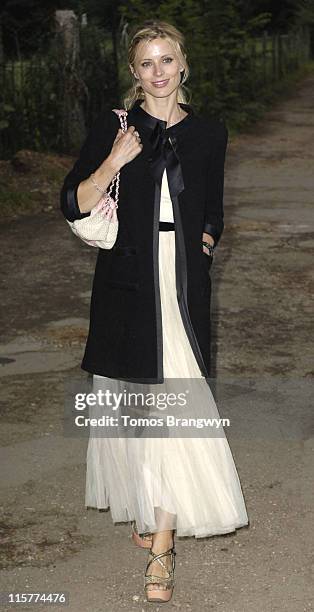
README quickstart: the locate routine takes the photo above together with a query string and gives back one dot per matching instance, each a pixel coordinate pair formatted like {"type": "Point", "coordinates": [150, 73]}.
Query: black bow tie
{"type": "Point", "coordinates": [165, 156]}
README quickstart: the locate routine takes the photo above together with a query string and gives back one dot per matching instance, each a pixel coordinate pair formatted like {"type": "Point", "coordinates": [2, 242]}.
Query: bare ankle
{"type": "Point", "coordinates": [162, 540]}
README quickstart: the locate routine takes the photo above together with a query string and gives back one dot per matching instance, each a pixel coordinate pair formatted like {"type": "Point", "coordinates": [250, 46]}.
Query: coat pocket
{"type": "Point", "coordinates": [125, 251]}
{"type": "Point", "coordinates": [206, 276]}
{"type": "Point", "coordinates": [123, 270]}
{"type": "Point", "coordinates": [207, 260]}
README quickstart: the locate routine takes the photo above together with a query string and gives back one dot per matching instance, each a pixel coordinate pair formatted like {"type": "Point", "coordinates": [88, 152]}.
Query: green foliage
{"type": "Point", "coordinates": [6, 111]}
{"type": "Point", "coordinates": [218, 48]}
{"type": "Point", "coordinates": [232, 68]}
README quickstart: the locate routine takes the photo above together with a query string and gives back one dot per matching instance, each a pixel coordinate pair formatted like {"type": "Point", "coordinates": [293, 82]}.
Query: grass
{"type": "Point", "coordinates": [34, 191]}
{"type": "Point", "coordinates": [13, 200]}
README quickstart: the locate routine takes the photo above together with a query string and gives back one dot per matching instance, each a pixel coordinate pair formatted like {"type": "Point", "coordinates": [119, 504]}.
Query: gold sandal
{"type": "Point", "coordinates": [164, 594]}
{"type": "Point", "coordinates": [144, 540]}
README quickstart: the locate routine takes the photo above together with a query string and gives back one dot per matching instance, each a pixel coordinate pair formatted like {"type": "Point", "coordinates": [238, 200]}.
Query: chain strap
{"type": "Point", "coordinates": [122, 114]}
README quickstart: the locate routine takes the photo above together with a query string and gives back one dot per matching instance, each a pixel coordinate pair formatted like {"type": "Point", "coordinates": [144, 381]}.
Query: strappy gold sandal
{"type": "Point", "coordinates": [160, 595]}
{"type": "Point", "coordinates": [144, 540]}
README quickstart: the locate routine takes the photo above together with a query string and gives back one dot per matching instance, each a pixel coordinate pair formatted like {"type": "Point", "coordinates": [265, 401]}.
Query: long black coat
{"type": "Point", "coordinates": [125, 334]}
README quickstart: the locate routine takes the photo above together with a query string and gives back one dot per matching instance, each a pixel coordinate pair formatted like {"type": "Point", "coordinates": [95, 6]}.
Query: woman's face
{"type": "Point", "coordinates": [157, 67]}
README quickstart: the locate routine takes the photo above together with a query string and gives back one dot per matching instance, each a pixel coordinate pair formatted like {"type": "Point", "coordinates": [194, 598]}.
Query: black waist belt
{"type": "Point", "coordinates": [166, 226]}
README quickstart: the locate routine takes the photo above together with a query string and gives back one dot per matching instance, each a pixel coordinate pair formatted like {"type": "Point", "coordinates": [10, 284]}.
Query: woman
{"type": "Point", "coordinates": [149, 318]}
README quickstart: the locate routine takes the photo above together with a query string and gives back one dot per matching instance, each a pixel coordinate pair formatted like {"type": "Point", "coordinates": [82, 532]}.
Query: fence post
{"type": "Point", "coordinates": [307, 41]}
{"type": "Point", "coordinates": [293, 47]}
{"type": "Point", "coordinates": [274, 57]}
{"type": "Point", "coordinates": [1, 44]}
{"type": "Point", "coordinates": [265, 51]}
{"type": "Point", "coordinates": [299, 48]}
{"type": "Point", "coordinates": [253, 65]}
{"type": "Point", "coordinates": [280, 56]}
{"type": "Point", "coordinates": [68, 48]}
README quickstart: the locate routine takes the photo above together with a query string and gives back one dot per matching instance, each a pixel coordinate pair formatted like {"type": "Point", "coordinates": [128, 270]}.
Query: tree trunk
{"type": "Point", "coordinates": [1, 44]}
{"type": "Point", "coordinates": [73, 128]}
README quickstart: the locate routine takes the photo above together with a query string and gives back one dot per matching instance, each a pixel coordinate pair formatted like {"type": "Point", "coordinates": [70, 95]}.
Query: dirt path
{"type": "Point", "coordinates": [262, 327]}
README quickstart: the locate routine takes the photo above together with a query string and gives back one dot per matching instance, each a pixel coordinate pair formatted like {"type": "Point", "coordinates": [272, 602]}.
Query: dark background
{"type": "Point", "coordinates": [241, 53]}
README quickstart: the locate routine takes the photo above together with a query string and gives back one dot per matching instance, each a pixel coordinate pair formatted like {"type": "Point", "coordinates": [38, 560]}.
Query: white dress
{"type": "Point", "coordinates": [188, 484]}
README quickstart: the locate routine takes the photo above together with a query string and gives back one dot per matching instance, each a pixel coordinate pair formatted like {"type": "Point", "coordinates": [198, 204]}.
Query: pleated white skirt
{"type": "Point", "coordinates": [182, 483]}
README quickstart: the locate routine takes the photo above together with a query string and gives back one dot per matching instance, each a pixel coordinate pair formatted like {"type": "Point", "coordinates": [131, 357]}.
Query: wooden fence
{"type": "Point", "coordinates": [273, 57]}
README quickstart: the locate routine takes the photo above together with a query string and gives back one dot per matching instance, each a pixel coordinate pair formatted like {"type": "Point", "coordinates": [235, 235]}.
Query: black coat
{"type": "Point", "coordinates": [125, 334]}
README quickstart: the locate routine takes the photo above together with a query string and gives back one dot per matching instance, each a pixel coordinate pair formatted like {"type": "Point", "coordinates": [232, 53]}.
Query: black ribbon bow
{"type": "Point", "coordinates": [165, 156]}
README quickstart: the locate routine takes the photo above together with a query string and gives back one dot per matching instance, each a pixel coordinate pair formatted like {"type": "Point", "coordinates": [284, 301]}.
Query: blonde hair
{"type": "Point", "coordinates": [148, 31]}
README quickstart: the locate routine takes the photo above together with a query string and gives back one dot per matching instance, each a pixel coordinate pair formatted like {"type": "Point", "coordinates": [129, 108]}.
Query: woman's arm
{"type": "Point", "coordinates": [104, 152]}
{"type": "Point", "coordinates": [214, 214]}
{"type": "Point", "coordinates": [95, 149]}
{"type": "Point", "coordinates": [87, 194]}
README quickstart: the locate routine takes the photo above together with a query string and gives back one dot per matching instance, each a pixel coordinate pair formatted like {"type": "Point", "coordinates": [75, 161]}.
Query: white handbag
{"type": "Point", "coordinates": [100, 228]}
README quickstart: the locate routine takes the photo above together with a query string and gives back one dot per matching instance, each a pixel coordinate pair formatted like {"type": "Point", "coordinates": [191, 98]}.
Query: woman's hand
{"type": "Point", "coordinates": [127, 145]}
{"type": "Point", "coordinates": [207, 238]}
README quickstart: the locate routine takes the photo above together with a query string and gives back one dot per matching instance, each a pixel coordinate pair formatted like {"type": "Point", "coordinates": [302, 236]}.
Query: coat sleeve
{"type": "Point", "coordinates": [214, 214]}
{"type": "Point", "coordinates": [94, 150]}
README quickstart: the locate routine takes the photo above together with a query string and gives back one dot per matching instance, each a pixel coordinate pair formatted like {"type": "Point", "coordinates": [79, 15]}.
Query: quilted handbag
{"type": "Point", "coordinates": [100, 228]}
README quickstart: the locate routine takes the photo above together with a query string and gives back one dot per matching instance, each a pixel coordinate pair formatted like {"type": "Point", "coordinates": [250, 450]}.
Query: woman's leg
{"type": "Point", "coordinates": [162, 541]}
